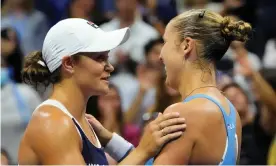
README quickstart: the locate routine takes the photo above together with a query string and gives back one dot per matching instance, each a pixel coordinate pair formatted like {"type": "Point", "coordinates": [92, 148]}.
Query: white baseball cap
{"type": "Point", "coordinates": [75, 35]}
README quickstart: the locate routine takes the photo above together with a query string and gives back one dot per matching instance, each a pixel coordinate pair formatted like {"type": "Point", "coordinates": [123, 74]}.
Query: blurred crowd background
{"type": "Point", "coordinates": [246, 74]}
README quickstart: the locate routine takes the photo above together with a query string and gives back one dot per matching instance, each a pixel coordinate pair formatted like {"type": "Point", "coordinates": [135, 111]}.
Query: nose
{"type": "Point", "coordinates": [109, 68]}
{"type": "Point", "coordinates": [160, 58]}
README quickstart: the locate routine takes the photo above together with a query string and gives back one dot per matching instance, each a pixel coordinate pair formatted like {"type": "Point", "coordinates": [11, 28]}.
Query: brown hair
{"type": "Point", "coordinates": [213, 32]}
{"type": "Point", "coordinates": [36, 74]}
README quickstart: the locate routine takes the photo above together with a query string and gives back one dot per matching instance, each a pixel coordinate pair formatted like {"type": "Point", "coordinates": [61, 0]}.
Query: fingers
{"type": "Point", "coordinates": [158, 119]}
{"type": "Point", "coordinates": [170, 137]}
{"type": "Point", "coordinates": [171, 122]}
{"type": "Point", "coordinates": [162, 117]}
{"type": "Point", "coordinates": [173, 129]}
{"type": "Point", "coordinates": [88, 116]}
{"type": "Point", "coordinates": [91, 119]}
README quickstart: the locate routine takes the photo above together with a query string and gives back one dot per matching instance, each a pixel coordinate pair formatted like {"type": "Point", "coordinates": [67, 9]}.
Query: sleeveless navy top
{"type": "Point", "coordinates": [92, 155]}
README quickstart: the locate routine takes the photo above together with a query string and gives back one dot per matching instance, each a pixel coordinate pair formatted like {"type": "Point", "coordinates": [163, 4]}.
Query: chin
{"type": "Point", "coordinates": [103, 90]}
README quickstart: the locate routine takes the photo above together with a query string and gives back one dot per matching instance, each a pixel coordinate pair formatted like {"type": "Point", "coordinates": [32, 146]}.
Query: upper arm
{"type": "Point", "coordinates": [178, 152]}
{"type": "Point", "coordinates": [54, 140]}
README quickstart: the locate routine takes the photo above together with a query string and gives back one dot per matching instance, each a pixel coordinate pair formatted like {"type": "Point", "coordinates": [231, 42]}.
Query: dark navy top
{"type": "Point", "coordinates": [91, 154]}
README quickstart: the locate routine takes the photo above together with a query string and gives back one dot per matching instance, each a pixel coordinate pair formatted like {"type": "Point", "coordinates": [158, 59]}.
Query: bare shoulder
{"type": "Point", "coordinates": [192, 115]}
{"type": "Point", "coordinates": [196, 113]}
{"type": "Point", "coordinates": [172, 153]}
{"type": "Point", "coordinates": [189, 110]}
{"type": "Point", "coordinates": [51, 138]}
{"type": "Point", "coordinates": [51, 128]}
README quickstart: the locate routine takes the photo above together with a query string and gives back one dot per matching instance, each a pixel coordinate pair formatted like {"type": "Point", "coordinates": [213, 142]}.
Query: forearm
{"type": "Point", "coordinates": [131, 113]}
{"type": "Point", "coordinates": [135, 158]}
{"type": "Point", "coordinates": [124, 152]}
{"type": "Point", "coordinates": [266, 92]}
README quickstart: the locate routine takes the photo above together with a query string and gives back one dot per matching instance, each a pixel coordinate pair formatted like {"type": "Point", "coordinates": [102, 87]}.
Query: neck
{"type": "Point", "coordinates": [198, 81]}
{"type": "Point", "coordinates": [66, 92]}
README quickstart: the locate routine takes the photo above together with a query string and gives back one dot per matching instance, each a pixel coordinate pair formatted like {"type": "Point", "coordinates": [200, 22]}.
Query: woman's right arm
{"type": "Point", "coordinates": [47, 137]}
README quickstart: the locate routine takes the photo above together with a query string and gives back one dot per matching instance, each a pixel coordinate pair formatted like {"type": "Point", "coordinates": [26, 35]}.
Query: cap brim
{"type": "Point", "coordinates": [109, 40]}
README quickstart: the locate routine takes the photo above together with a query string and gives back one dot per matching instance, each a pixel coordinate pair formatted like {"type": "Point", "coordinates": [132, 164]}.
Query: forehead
{"type": "Point", "coordinates": [169, 31]}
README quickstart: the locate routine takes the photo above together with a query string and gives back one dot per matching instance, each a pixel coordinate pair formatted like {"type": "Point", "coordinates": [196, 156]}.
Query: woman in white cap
{"type": "Point", "coordinates": [74, 59]}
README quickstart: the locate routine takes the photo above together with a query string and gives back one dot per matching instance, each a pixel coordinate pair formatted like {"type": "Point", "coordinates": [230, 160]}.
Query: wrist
{"type": "Point", "coordinates": [118, 148]}
{"type": "Point", "coordinates": [141, 154]}
{"type": "Point", "coordinates": [107, 138]}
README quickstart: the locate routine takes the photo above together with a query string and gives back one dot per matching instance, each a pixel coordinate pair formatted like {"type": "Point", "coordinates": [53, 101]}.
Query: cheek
{"type": "Point", "coordinates": [172, 65]}
{"type": "Point", "coordinates": [89, 72]}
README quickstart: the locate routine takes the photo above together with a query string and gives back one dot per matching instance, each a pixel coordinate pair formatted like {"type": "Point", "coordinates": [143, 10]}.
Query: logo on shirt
{"type": "Point", "coordinates": [230, 126]}
{"type": "Point", "coordinates": [92, 24]}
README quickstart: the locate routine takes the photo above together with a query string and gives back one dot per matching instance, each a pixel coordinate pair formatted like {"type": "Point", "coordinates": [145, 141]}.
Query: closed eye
{"type": "Point", "coordinates": [100, 57]}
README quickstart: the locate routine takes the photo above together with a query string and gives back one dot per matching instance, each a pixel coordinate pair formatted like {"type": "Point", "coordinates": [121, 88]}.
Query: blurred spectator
{"type": "Point", "coordinates": [244, 9]}
{"type": "Point", "coordinates": [165, 96]}
{"type": "Point", "coordinates": [143, 94]}
{"type": "Point", "coordinates": [107, 109]}
{"type": "Point", "coordinates": [11, 52]}
{"type": "Point", "coordinates": [138, 92]}
{"type": "Point", "coordinates": [258, 127]}
{"type": "Point", "coordinates": [5, 159]}
{"type": "Point", "coordinates": [53, 9]}
{"type": "Point", "coordinates": [185, 5]}
{"type": "Point", "coordinates": [236, 50]}
{"type": "Point", "coordinates": [158, 13]}
{"type": "Point", "coordinates": [256, 135]}
{"type": "Point", "coordinates": [265, 26]}
{"type": "Point", "coordinates": [269, 59]}
{"type": "Point", "coordinates": [152, 52]}
{"type": "Point", "coordinates": [223, 79]}
{"type": "Point", "coordinates": [86, 9]}
{"type": "Point", "coordinates": [17, 103]}
{"type": "Point", "coordinates": [141, 32]}
{"type": "Point", "coordinates": [260, 13]}
{"type": "Point", "coordinates": [30, 24]}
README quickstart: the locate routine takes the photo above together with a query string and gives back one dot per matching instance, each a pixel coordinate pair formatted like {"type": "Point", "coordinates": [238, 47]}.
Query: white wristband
{"type": "Point", "coordinates": [118, 148]}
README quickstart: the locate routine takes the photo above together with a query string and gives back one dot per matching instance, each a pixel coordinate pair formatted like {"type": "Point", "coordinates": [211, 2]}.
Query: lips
{"type": "Point", "coordinates": [105, 78]}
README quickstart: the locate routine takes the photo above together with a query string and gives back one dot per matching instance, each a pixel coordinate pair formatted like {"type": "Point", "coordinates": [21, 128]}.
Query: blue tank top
{"type": "Point", "coordinates": [91, 154]}
{"type": "Point", "coordinates": [230, 153]}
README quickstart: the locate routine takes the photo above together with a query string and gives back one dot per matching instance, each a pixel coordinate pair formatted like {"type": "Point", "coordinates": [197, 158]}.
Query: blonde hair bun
{"type": "Point", "coordinates": [233, 29]}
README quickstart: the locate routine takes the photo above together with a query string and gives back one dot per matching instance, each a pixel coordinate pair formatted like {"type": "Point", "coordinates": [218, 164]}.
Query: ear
{"type": "Point", "coordinates": [187, 46]}
{"type": "Point", "coordinates": [67, 64]}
